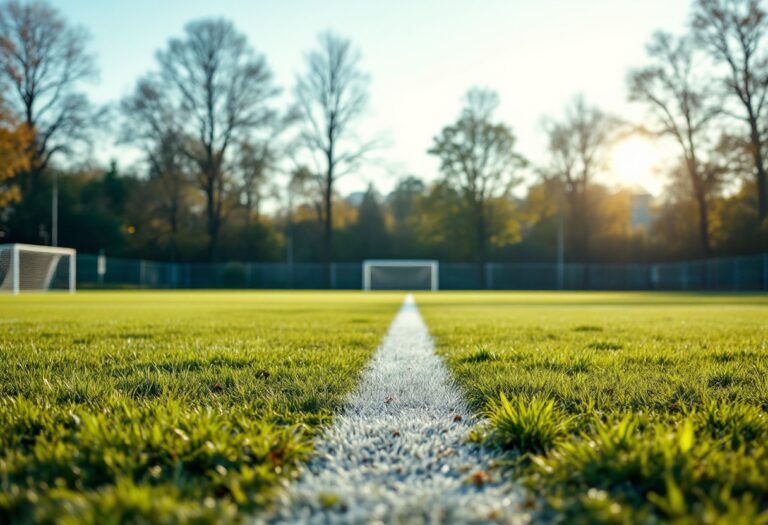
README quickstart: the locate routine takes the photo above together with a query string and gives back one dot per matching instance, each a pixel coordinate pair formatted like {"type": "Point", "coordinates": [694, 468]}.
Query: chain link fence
{"type": "Point", "coordinates": [725, 274]}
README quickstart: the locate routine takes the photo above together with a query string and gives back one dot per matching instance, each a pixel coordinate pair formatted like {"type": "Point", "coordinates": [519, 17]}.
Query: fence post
{"type": "Point", "coordinates": [15, 261]}
{"type": "Point", "coordinates": [489, 276]}
{"type": "Point", "coordinates": [765, 271]}
{"type": "Point", "coordinates": [72, 273]}
{"type": "Point", "coordinates": [333, 276]}
{"type": "Point", "coordinates": [141, 272]}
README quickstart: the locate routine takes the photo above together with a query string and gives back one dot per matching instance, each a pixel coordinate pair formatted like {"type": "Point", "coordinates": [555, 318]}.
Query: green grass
{"type": "Point", "coordinates": [155, 407]}
{"type": "Point", "coordinates": [191, 407]}
{"type": "Point", "coordinates": [625, 408]}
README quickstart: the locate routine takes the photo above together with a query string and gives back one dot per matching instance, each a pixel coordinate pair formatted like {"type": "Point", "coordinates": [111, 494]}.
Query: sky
{"type": "Point", "coordinates": [421, 55]}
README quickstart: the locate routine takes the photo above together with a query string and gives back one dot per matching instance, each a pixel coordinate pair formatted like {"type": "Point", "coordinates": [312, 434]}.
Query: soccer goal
{"type": "Point", "coordinates": [31, 268]}
{"type": "Point", "coordinates": [400, 275]}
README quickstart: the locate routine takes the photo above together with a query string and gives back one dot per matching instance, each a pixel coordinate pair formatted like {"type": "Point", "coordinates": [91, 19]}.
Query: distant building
{"type": "Point", "coordinates": [355, 198]}
{"type": "Point", "coordinates": [640, 211]}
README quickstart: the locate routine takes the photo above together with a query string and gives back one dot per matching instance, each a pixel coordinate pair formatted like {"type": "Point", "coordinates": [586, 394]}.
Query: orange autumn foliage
{"type": "Point", "coordinates": [14, 156]}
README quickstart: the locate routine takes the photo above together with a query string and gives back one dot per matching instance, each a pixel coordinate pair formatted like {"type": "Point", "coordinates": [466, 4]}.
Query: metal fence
{"type": "Point", "coordinates": [726, 274]}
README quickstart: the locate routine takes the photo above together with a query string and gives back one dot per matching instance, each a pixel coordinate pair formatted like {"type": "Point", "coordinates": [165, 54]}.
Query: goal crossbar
{"type": "Point", "coordinates": [371, 264]}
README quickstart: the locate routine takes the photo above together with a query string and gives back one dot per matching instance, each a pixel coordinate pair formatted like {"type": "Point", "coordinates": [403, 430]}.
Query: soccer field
{"type": "Point", "coordinates": [193, 406]}
{"type": "Point", "coordinates": [176, 407]}
{"type": "Point", "coordinates": [658, 400]}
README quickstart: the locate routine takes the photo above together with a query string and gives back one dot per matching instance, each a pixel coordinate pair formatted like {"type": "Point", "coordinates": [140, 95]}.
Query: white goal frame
{"type": "Point", "coordinates": [401, 263]}
{"type": "Point", "coordinates": [15, 263]}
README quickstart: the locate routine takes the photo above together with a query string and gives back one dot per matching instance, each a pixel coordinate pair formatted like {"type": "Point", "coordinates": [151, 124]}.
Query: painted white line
{"type": "Point", "coordinates": [398, 453]}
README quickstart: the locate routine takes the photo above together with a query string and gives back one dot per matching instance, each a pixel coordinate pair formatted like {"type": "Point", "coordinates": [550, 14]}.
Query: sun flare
{"type": "Point", "coordinates": [634, 160]}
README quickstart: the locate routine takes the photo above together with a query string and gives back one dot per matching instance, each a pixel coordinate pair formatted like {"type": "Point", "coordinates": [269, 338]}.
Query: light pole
{"type": "Point", "coordinates": [55, 211]}
{"type": "Point", "coordinates": [560, 252]}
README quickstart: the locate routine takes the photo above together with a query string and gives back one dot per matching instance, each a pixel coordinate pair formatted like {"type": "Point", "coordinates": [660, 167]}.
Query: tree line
{"type": "Point", "coordinates": [216, 144]}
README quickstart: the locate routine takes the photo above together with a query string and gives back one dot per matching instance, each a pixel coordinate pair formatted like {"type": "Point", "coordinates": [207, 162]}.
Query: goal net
{"type": "Point", "coordinates": [30, 268]}
{"type": "Point", "coordinates": [400, 275]}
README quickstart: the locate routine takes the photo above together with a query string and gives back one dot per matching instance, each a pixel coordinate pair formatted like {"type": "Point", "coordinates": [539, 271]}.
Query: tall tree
{"type": "Point", "coordinates": [683, 106]}
{"type": "Point", "coordinates": [578, 148]}
{"type": "Point", "coordinates": [219, 90]}
{"type": "Point", "coordinates": [401, 200]}
{"type": "Point", "coordinates": [305, 188]}
{"type": "Point", "coordinates": [170, 182]}
{"type": "Point", "coordinates": [734, 33]}
{"type": "Point", "coordinates": [369, 233]}
{"type": "Point", "coordinates": [43, 62]}
{"type": "Point", "coordinates": [331, 97]}
{"type": "Point", "coordinates": [478, 158]}
{"type": "Point", "coordinates": [254, 160]}
{"type": "Point", "coordinates": [14, 158]}
{"type": "Point", "coordinates": [151, 123]}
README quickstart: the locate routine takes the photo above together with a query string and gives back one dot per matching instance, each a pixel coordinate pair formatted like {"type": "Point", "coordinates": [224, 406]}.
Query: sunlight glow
{"type": "Point", "coordinates": [634, 160]}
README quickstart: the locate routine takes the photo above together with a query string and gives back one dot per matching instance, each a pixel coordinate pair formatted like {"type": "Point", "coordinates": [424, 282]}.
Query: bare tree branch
{"type": "Point", "coordinates": [331, 96]}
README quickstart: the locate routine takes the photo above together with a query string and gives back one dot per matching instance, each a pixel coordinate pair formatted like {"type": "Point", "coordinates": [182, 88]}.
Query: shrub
{"type": "Point", "coordinates": [234, 275]}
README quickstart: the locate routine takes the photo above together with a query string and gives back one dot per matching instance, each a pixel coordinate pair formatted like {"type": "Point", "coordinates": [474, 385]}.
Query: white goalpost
{"type": "Point", "coordinates": [32, 268]}
{"type": "Point", "coordinates": [388, 274]}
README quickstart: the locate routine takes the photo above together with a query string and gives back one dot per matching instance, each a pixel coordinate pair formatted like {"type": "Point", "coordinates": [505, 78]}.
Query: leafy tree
{"type": "Point", "coordinates": [734, 32]}
{"type": "Point", "coordinates": [14, 158]}
{"type": "Point", "coordinates": [217, 90]}
{"type": "Point", "coordinates": [445, 228]}
{"type": "Point", "coordinates": [151, 122]}
{"type": "Point", "coordinates": [403, 204]}
{"type": "Point", "coordinates": [478, 158]}
{"type": "Point", "coordinates": [579, 145]}
{"type": "Point", "coordinates": [403, 197]}
{"type": "Point", "coordinates": [683, 106]}
{"type": "Point", "coordinates": [43, 62]}
{"type": "Point", "coordinates": [734, 220]}
{"type": "Point", "coordinates": [92, 203]}
{"type": "Point", "coordinates": [371, 238]}
{"type": "Point", "coordinates": [254, 160]}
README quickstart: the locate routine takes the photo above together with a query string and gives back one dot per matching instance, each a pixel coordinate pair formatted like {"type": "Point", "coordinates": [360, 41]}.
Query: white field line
{"type": "Point", "coordinates": [398, 453]}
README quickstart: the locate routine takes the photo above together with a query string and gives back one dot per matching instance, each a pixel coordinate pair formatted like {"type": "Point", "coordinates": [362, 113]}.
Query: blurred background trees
{"type": "Point", "coordinates": [228, 170]}
{"type": "Point", "coordinates": [478, 160]}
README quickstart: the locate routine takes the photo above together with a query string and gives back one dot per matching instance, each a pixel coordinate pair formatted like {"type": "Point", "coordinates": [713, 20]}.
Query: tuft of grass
{"type": "Point", "coordinates": [525, 425]}
{"type": "Point", "coordinates": [723, 379]}
{"type": "Point", "coordinates": [588, 328]}
{"type": "Point", "coordinates": [662, 473]}
{"type": "Point", "coordinates": [605, 345]}
{"type": "Point", "coordinates": [738, 424]}
{"type": "Point", "coordinates": [480, 356]}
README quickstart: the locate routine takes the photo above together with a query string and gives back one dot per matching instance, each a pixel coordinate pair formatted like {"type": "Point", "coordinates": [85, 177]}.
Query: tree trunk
{"type": "Point", "coordinates": [586, 232]}
{"type": "Point", "coordinates": [700, 193]}
{"type": "Point", "coordinates": [579, 236]}
{"type": "Point", "coordinates": [174, 231]}
{"type": "Point", "coordinates": [701, 201]}
{"type": "Point", "coordinates": [757, 155]}
{"type": "Point", "coordinates": [480, 255]}
{"type": "Point", "coordinates": [328, 226]}
{"type": "Point", "coordinates": [213, 226]}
